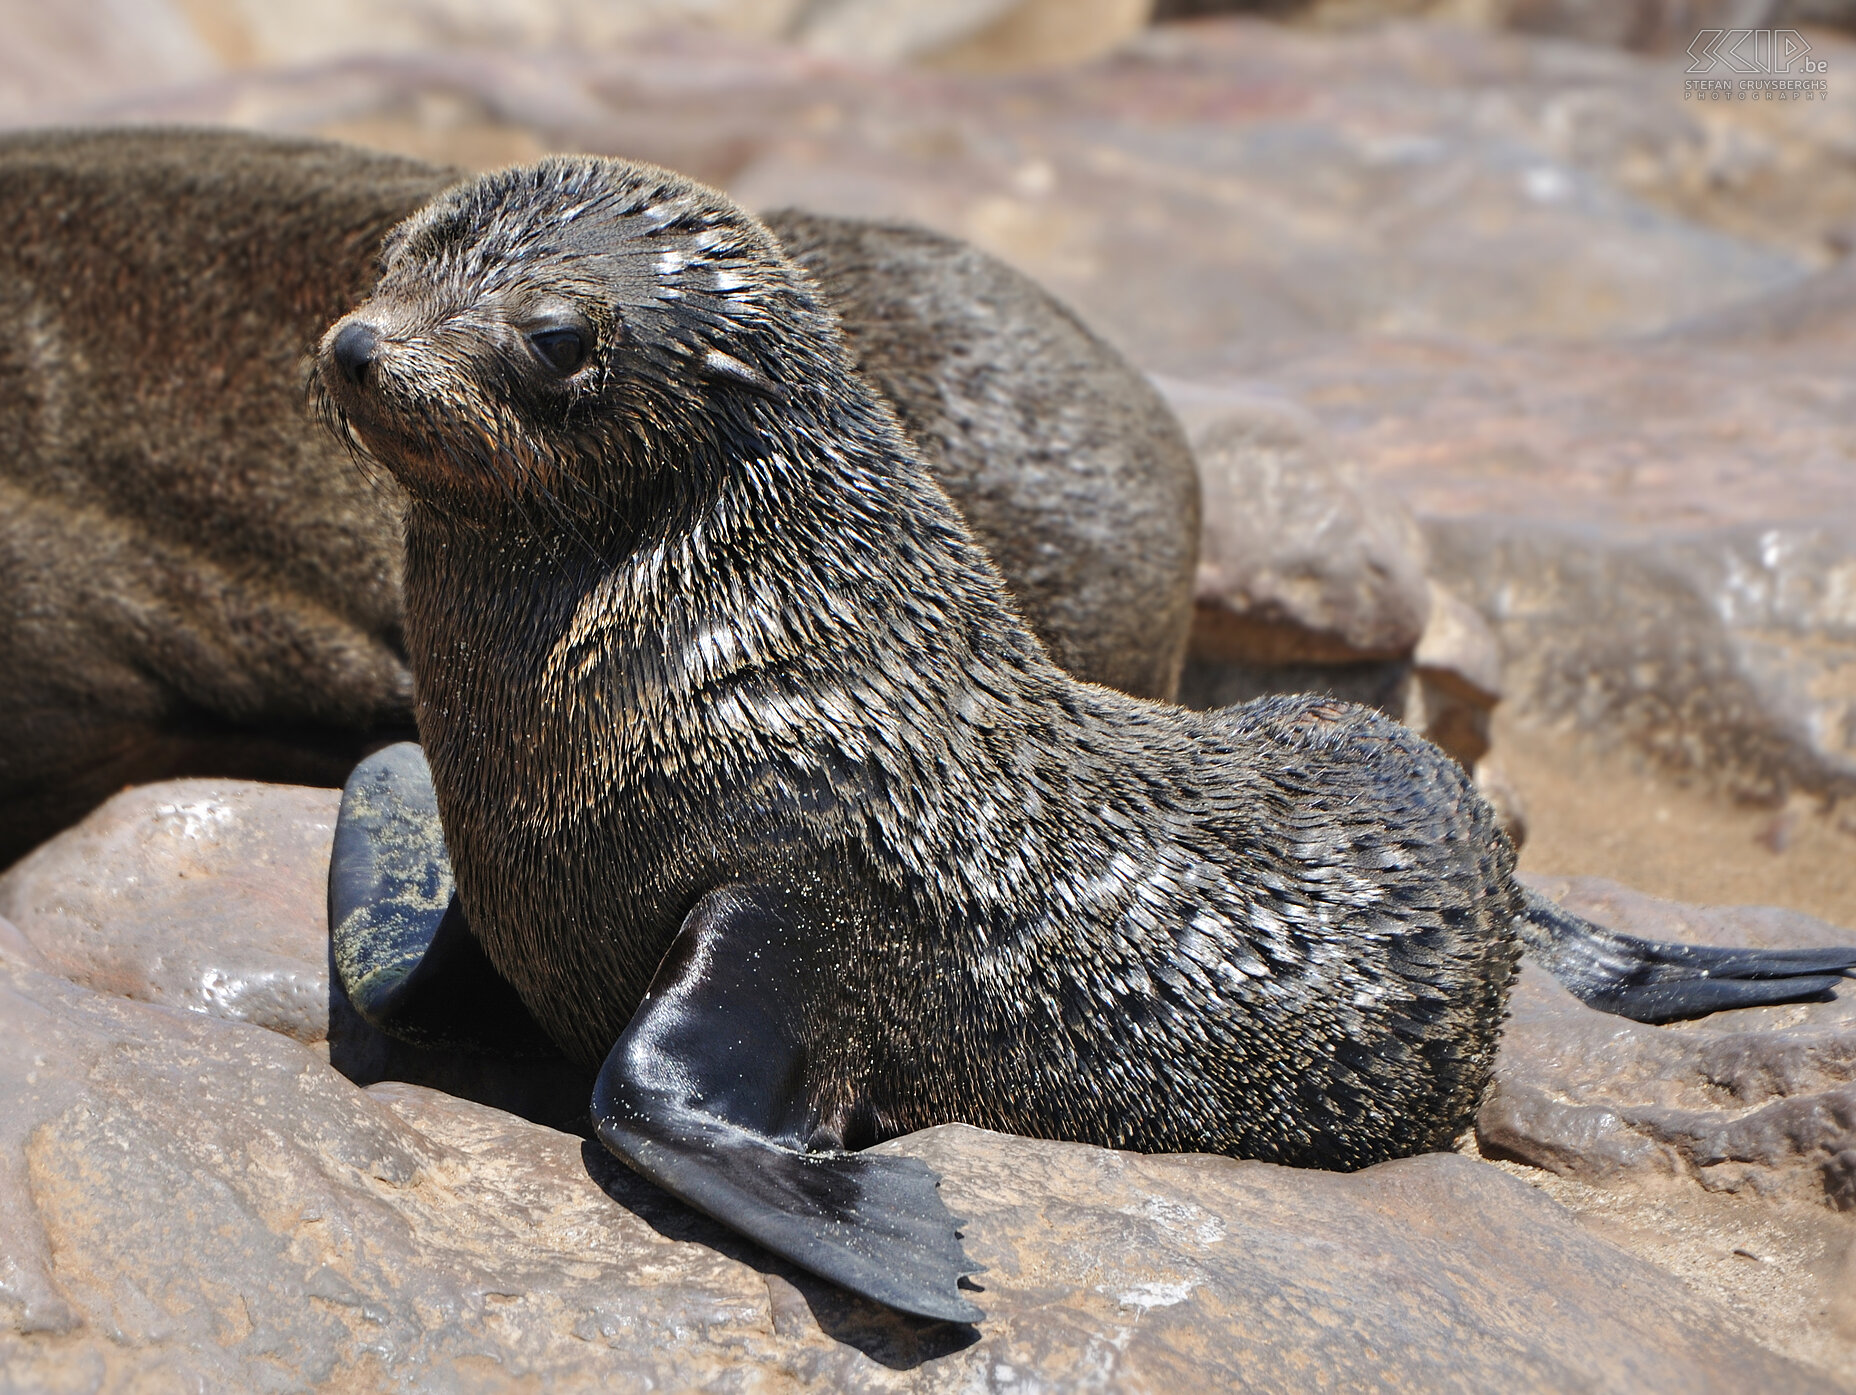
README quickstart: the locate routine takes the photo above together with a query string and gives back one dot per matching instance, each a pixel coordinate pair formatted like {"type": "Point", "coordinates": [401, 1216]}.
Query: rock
{"type": "Point", "coordinates": [1456, 682]}
{"type": "Point", "coordinates": [1653, 529]}
{"type": "Point", "coordinates": [1729, 656]}
{"type": "Point", "coordinates": [95, 49]}
{"type": "Point", "coordinates": [1199, 193]}
{"type": "Point", "coordinates": [191, 1200]}
{"type": "Point", "coordinates": [1310, 580]}
{"type": "Point", "coordinates": [183, 1192]}
{"type": "Point", "coordinates": [892, 31]}
{"type": "Point", "coordinates": [1495, 784]}
{"type": "Point", "coordinates": [1298, 563]}
{"type": "Point", "coordinates": [210, 896]}
{"type": "Point", "coordinates": [205, 896]}
{"type": "Point", "coordinates": [1045, 34]}
{"type": "Point", "coordinates": [1720, 1149]}
{"type": "Point", "coordinates": [1303, 585]}
{"type": "Point", "coordinates": [1761, 1100]}
{"type": "Point", "coordinates": [1642, 24]}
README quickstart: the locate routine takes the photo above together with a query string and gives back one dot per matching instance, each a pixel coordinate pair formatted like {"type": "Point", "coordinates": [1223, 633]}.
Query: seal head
{"type": "Point", "coordinates": [558, 340]}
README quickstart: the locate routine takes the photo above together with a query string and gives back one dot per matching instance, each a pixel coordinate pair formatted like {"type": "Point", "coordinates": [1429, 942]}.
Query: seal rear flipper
{"type": "Point", "coordinates": [401, 947]}
{"type": "Point", "coordinates": [711, 1094]}
{"type": "Point", "coordinates": [1664, 980]}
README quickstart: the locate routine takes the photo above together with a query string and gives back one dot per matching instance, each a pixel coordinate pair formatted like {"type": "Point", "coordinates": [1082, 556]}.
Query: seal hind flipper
{"type": "Point", "coordinates": [401, 947]}
{"type": "Point", "coordinates": [1665, 980]}
{"type": "Point", "coordinates": [711, 1093]}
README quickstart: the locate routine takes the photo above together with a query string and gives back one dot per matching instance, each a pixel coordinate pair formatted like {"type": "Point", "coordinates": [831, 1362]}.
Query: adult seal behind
{"type": "Point", "coordinates": [197, 579]}
{"type": "Point", "coordinates": [759, 794]}
{"type": "Point", "coordinates": [1028, 420]}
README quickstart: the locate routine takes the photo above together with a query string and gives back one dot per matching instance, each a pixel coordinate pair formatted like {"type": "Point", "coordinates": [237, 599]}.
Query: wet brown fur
{"type": "Point", "coordinates": [698, 614]}
{"type": "Point", "coordinates": [197, 579]}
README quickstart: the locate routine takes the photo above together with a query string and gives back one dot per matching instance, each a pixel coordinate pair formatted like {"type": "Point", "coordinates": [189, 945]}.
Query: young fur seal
{"type": "Point", "coordinates": [758, 790]}
{"type": "Point", "coordinates": [198, 581]}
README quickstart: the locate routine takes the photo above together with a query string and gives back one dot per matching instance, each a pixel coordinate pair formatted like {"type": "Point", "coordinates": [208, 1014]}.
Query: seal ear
{"type": "Point", "coordinates": [711, 1093]}
{"type": "Point", "coordinates": [720, 365]}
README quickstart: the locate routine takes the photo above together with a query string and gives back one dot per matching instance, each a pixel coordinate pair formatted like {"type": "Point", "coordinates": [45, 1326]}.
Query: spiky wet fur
{"type": "Point", "coordinates": [698, 614]}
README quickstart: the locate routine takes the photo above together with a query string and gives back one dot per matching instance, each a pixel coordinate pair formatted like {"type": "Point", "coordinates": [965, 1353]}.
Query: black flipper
{"type": "Point", "coordinates": [711, 1093]}
{"type": "Point", "coordinates": [1663, 980]}
{"type": "Point", "coordinates": [404, 954]}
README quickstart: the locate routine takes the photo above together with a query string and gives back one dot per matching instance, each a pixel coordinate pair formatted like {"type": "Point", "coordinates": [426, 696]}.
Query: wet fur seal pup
{"type": "Point", "coordinates": [757, 793]}
{"type": "Point", "coordinates": [199, 582]}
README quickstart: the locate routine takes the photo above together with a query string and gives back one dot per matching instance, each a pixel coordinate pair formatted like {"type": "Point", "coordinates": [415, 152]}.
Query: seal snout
{"type": "Point", "coordinates": [353, 349]}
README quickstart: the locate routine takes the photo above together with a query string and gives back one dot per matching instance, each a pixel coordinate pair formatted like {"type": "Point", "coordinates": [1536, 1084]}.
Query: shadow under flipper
{"type": "Point", "coordinates": [545, 1089]}
{"type": "Point", "coordinates": [893, 1339]}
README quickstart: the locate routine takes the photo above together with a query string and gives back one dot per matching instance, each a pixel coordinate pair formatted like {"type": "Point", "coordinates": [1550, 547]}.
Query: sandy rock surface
{"type": "Point", "coordinates": [189, 1191]}
{"type": "Point", "coordinates": [1723, 1149]}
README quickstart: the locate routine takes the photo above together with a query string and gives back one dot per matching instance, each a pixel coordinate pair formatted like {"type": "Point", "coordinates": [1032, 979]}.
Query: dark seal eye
{"type": "Point", "coordinates": [561, 347]}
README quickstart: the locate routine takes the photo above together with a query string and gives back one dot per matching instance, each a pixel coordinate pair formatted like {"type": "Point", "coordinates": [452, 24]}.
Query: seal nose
{"type": "Point", "coordinates": [354, 349]}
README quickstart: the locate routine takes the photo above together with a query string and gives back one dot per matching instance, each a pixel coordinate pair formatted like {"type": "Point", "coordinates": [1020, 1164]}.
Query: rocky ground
{"type": "Point", "coordinates": [193, 1195]}
{"type": "Point", "coordinates": [1512, 375]}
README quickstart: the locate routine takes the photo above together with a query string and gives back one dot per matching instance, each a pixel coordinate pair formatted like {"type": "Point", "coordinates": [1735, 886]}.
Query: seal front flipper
{"type": "Point", "coordinates": [1665, 980]}
{"type": "Point", "coordinates": [401, 948]}
{"type": "Point", "coordinates": [711, 1093]}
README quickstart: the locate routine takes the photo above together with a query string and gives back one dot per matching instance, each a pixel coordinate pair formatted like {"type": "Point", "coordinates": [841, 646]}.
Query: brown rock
{"type": "Point", "coordinates": [205, 896]}
{"type": "Point", "coordinates": [1205, 190]}
{"type": "Point", "coordinates": [1654, 530]}
{"type": "Point", "coordinates": [1304, 585]}
{"type": "Point", "coordinates": [1311, 580]}
{"type": "Point", "coordinates": [184, 1193]}
{"type": "Point", "coordinates": [1046, 33]}
{"type": "Point", "coordinates": [1643, 24]}
{"type": "Point", "coordinates": [1761, 1100]}
{"type": "Point", "coordinates": [1717, 1150]}
{"type": "Point", "coordinates": [192, 1200]}
{"type": "Point", "coordinates": [1298, 562]}
{"type": "Point", "coordinates": [1456, 680]}
{"type": "Point", "coordinates": [210, 896]}
{"type": "Point", "coordinates": [1729, 655]}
